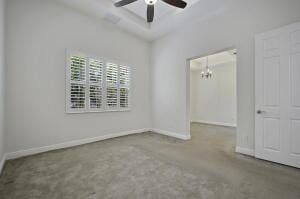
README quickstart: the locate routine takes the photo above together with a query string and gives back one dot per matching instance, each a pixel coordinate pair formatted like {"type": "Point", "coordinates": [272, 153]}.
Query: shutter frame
{"type": "Point", "coordinates": [112, 84]}
{"type": "Point", "coordinates": [103, 85]}
{"type": "Point", "coordinates": [69, 82]}
{"type": "Point", "coordinates": [99, 84]}
{"type": "Point", "coordinates": [126, 86]}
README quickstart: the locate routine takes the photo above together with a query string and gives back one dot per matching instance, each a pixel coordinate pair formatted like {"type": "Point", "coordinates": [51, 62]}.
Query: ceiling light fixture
{"type": "Point", "coordinates": [207, 73]}
{"type": "Point", "coordinates": [150, 2]}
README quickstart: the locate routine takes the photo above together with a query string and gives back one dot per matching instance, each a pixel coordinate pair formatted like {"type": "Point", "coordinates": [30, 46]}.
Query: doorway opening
{"type": "Point", "coordinates": [213, 97]}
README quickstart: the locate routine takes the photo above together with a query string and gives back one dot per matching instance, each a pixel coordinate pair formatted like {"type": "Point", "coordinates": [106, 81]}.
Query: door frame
{"type": "Point", "coordinates": [188, 86]}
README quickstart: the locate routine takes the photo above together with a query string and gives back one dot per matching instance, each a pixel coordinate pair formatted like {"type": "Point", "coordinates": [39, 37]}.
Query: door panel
{"type": "Point", "coordinates": [293, 113]}
{"type": "Point", "coordinates": [295, 40]}
{"type": "Point", "coordinates": [271, 46]}
{"type": "Point", "coordinates": [272, 134]}
{"type": "Point", "coordinates": [295, 132]}
{"type": "Point", "coordinates": [295, 80]}
{"type": "Point", "coordinates": [271, 81]}
{"type": "Point", "coordinates": [277, 95]}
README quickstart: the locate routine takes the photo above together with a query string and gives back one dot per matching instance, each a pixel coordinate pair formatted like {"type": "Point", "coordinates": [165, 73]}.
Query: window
{"type": "Point", "coordinates": [96, 85]}
{"type": "Point", "coordinates": [78, 82]}
{"type": "Point", "coordinates": [95, 78]}
{"type": "Point", "coordinates": [112, 73]}
{"type": "Point", "coordinates": [124, 86]}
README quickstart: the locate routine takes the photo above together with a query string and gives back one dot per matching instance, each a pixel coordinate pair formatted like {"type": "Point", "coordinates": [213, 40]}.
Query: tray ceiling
{"type": "Point", "coordinates": [132, 18]}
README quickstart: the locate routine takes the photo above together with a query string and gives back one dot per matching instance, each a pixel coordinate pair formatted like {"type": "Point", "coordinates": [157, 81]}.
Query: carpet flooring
{"type": "Point", "coordinates": [150, 166]}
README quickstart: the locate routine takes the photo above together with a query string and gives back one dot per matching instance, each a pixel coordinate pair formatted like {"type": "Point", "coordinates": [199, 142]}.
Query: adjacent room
{"type": "Point", "coordinates": [179, 99]}
{"type": "Point", "coordinates": [213, 89]}
{"type": "Point", "coordinates": [213, 98]}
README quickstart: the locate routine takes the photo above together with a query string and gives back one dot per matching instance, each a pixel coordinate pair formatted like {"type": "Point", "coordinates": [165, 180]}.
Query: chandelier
{"type": "Point", "coordinates": [207, 73]}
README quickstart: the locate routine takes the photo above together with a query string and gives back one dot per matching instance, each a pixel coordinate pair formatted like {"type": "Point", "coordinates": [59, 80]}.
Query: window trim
{"type": "Point", "coordinates": [104, 108]}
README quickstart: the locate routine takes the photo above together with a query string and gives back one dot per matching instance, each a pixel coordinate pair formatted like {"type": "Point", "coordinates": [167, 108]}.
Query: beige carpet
{"type": "Point", "coordinates": [150, 166]}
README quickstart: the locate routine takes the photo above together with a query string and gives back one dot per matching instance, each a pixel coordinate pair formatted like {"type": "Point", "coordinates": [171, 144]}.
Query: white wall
{"type": "Point", "coordinates": [39, 31]}
{"type": "Point", "coordinates": [1, 80]}
{"type": "Point", "coordinates": [236, 27]}
{"type": "Point", "coordinates": [38, 35]}
{"type": "Point", "coordinates": [214, 100]}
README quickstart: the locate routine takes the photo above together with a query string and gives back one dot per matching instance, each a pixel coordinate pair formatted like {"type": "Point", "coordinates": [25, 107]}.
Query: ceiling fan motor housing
{"type": "Point", "coordinates": [151, 2]}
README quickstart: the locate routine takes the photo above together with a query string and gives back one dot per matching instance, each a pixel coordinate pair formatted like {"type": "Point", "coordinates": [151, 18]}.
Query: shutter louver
{"type": "Point", "coordinates": [112, 97]}
{"type": "Point", "coordinates": [77, 96]}
{"type": "Point", "coordinates": [124, 97]}
{"type": "Point", "coordinates": [96, 85]}
{"type": "Point", "coordinates": [96, 71]}
{"type": "Point", "coordinates": [78, 80]}
{"type": "Point", "coordinates": [112, 85]}
{"type": "Point", "coordinates": [95, 97]}
{"type": "Point", "coordinates": [95, 77]}
{"type": "Point", "coordinates": [78, 68]}
{"type": "Point", "coordinates": [124, 86]}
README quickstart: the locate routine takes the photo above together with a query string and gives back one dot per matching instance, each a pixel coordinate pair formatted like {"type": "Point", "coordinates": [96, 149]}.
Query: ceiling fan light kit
{"type": "Point", "coordinates": [150, 2]}
{"type": "Point", "coordinates": [150, 6]}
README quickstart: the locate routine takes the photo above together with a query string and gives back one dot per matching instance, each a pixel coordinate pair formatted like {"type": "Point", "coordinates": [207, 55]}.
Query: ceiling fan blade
{"type": "Point", "coordinates": [150, 13]}
{"type": "Point", "coordinates": [176, 3]}
{"type": "Point", "coordinates": [124, 3]}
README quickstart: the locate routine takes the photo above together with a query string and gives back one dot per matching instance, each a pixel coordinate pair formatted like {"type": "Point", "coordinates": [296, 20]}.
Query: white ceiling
{"type": "Point", "coordinates": [132, 18]}
{"type": "Point", "coordinates": [213, 60]}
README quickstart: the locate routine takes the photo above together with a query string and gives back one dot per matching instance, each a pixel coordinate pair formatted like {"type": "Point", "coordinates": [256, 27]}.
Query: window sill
{"type": "Point", "coordinates": [96, 111]}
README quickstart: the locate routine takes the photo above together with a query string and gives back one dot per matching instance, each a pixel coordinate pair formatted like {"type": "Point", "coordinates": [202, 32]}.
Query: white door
{"type": "Point", "coordinates": [277, 95]}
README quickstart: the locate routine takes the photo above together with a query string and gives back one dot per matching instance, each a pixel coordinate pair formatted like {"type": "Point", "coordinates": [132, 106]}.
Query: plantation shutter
{"type": "Point", "coordinates": [112, 73]}
{"type": "Point", "coordinates": [95, 83]}
{"type": "Point", "coordinates": [77, 82]}
{"type": "Point", "coordinates": [124, 86]}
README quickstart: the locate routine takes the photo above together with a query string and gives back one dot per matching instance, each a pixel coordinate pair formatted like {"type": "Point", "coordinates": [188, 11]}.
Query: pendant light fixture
{"type": "Point", "coordinates": [207, 73]}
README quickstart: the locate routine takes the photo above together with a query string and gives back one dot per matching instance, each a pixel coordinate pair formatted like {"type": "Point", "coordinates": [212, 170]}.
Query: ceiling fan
{"type": "Point", "coordinates": [150, 6]}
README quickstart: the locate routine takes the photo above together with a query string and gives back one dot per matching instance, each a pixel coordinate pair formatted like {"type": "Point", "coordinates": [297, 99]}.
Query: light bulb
{"type": "Point", "coordinates": [150, 2]}
{"type": "Point", "coordinates": [202, 73]}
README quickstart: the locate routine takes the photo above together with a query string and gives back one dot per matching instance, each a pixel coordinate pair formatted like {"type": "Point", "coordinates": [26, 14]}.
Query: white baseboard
{"type": "Point", "coordinates": [22, 153]}
{"type": "Point", "coordinates": [245, 151]}
{"type": "Point", "coordinates": [33, 151]}
{"type": "Point", "coordinates": [2, 162]}
{"type": "Point", "coordinates": [171, 134]}
{"type": "Point", "coordinates": [214, 123]}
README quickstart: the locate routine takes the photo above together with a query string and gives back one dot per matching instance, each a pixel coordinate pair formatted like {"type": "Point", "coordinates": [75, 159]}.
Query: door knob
{"type": "Point", "coordinates": [260, 112]}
